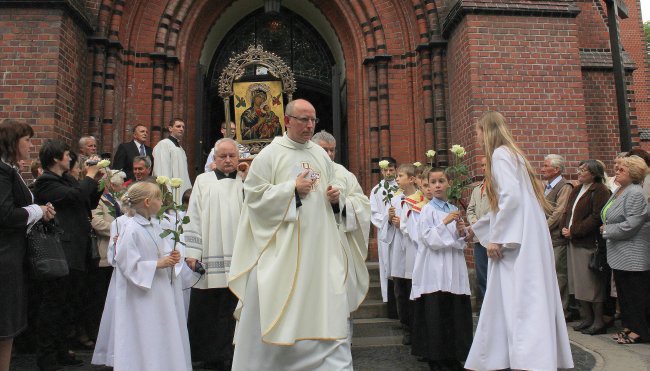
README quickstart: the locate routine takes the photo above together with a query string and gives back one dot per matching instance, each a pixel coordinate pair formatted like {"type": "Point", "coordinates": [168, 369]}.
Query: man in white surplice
{"type": "Point", "coordinates": [169, 157]}
{"type": "Point", "coordinates": [354, 226]}
{"type": "Point", "coordinates": [289, 266]}
{"type": "Point", "coordinates": [214, 210]}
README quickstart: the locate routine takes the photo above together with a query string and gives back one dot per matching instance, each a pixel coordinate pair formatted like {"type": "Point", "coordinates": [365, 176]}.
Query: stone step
{"type": "Point", "coordinates": [373, 271]}
{"type": "Point", "coordinates": [371, 309]}
{"type": "Point", "coordinates": [376, 327]}
{"type": "Point", "coordinates": [374, 291]}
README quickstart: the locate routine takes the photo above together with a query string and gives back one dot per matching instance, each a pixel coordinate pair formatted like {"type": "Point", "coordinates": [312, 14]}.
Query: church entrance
{"type": "Point", "coordinates": [293, 39]}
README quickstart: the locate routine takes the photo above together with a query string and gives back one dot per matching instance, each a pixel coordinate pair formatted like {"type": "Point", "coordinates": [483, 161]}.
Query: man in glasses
{"type": "Point", "coordinates": [288, 267]}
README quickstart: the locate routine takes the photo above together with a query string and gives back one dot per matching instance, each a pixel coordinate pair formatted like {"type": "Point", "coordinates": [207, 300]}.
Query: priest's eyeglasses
{"type": "Point", "coordinates": [306, 120]}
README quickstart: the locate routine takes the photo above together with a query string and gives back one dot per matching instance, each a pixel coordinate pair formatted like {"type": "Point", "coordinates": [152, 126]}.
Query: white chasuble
{"type": "Point", "coordinates": [355, 226]}
{"type": "Point", "coordinates": [150, 325]}
{"type": "Point", "coordinates": [297, 251]}
{"type": "Point", "coordinates": [171, 161]}
{"type": "Point", "coordinates": [522, 323]}
{"type": "Point", "coordinates": [379, 217]}
{"type": "Point", "coordinates": [214, 210]}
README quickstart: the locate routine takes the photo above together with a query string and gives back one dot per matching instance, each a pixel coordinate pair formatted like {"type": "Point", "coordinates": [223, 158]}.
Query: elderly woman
{"type": "Point", "coordinates": [627, 231]}
{"type": "Point", "coordinates": [581, 226]}
{"type": "Point", "coordinates": [107, 210]}
{"type": "Point", "coordinates": [17, 211]}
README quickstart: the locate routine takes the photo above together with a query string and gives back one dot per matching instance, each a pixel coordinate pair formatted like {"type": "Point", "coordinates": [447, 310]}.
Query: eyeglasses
{"type": "Point", "coordinates": [306, 120]}
{"type": "Point", "coordinates": [581, 170]}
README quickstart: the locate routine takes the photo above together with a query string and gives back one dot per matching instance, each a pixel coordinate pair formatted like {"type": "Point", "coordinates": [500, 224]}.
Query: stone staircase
{"type": "Point", "coordinates": [371, 325]}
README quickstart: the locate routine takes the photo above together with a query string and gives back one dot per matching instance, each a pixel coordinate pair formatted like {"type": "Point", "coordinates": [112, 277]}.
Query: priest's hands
{"type": "Point", "coordinates": [303, 184]}
{"type": "Point", "coordinates": [333, 194]}
{"type": "Point", "coordinates": [494, 251]}
{"type": "Point", "coordinates": [169, 261]}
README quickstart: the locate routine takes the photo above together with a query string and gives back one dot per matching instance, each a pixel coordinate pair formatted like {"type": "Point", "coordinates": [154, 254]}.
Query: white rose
{"type": "Point", "coordinates": [162, 180]}
{"type": "Point", "coordinates": [430, 153]}
{"type": "Point", "coordinates": [175, 182]}
{"type": "Point", "coordinates": [417, 164]}
{"type": "Point", "coordinates": [103, 163]}
{"type": "Point", "coordinates": [383, 164]}
{"type": "Point", "coordinates": [458, 150]}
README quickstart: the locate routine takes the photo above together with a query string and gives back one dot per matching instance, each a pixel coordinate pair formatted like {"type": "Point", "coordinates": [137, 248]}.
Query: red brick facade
{"type": "Point", "coordinates": [418, 72]}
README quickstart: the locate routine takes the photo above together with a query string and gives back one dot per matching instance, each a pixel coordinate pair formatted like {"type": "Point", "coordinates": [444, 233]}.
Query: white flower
{"type": "Point", "coordinates": [162, 180]}
{"type": "Point", "coordinates": [103, 163]}
{"type": "Point", "coordinates": [383, 164]}
{"type": "Point", "coordinates": [175, 182]}
{"type": "Point", "coordinates": [417, 164]}
{"type": "Point", "coordinates": [458, 150]}
{"type": "Point", "coordinates": [430, 153]}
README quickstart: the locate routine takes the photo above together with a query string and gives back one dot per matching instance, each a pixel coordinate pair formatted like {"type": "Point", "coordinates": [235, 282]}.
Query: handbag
{"type": "Point", "coordinates": [93, 249]}
{"type": "Point", "coordinates": [45, 251]}
{"type": "Point", "coordinates": [598, 259]}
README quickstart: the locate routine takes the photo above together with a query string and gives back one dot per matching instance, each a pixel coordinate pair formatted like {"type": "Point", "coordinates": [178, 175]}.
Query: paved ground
{"type": "Point", "coordinates": [598, 352]}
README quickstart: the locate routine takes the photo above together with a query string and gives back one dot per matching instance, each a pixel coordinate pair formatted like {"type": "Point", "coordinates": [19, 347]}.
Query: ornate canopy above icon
{"type": "Point", "coordinates": [258, 105]}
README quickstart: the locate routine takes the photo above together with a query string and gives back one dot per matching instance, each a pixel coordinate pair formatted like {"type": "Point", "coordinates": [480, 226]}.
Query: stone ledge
{"type": "Point", "coordinates": [75, 8]}
{"type": "Point", "coordinates": [458, 9]}
{"type": "Point", "coordinates": [601, 59]}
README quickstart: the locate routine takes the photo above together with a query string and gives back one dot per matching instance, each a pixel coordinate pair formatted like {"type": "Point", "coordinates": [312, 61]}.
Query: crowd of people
{"type": "Point", "coordinates": [271, 262]}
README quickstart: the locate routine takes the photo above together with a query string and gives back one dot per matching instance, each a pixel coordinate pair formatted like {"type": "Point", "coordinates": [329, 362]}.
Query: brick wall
{"type": "Point", "coordinates": [42, 59]}
{"type": "Point", "coordinates": [528, 68]}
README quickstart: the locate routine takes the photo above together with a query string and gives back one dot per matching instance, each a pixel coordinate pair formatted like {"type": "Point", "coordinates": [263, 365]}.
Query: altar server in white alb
{"type": "Point", "coordinates": [170, 158]}
{"type": "Point", "coordinates": [150, 326]}
{"type": "Point", "coordinates": [214, 210]}
{"type": "Point", "coordinates": [442, 330]}
{"type": "Point", "coordinates": [288, 266]}
{"type": "Point", "coordinates": [104, 351]}
{"type": "Point", "coordinates": [399, 247]}
{"type": "Point", "coordinates": [522, 323]}
{"type": "Point", "coordinates": [354, 224]}
{"type": "Point", "coordinates": [378, 216]}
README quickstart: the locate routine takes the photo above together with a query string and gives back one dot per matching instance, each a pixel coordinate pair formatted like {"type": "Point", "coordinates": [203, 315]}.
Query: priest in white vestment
{"type": "Point", "coordinates": [288, 267]}
{"type": "Point", "coordinates": [354, 225]}
{"type": "Point", "coordinates": [522, 322]}
{"type": "Point", "coordinates": [378, 217]}
{"type": "Point", "coordinates": [170, 158]}
{"type": "Point", "coordinates": [214, 210]}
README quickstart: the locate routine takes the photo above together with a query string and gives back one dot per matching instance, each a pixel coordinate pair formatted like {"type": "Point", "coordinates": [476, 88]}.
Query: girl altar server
{"type": "Point", "coordinates": [150, 329]}
{"type": "Point", "coordinates": [105, 344]}
{"type": "Point", "coordinates": [522, 323]}
{"type": "Point", "coordinates": [442, 311]}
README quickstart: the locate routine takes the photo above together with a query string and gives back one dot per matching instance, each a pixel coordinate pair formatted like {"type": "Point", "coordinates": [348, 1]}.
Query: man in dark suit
{"type": "Point", "coordinates": [126, 152]}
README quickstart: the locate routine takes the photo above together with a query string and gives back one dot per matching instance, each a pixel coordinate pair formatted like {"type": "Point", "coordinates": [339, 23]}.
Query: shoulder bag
{"type": "Point", "coordinates": [45, 252]}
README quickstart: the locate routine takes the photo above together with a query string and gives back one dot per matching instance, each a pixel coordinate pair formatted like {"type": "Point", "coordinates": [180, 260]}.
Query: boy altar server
{"type": "Point", "coordinates": [392, 235]}
{"type": "Point", "coordinates": [378, 217]}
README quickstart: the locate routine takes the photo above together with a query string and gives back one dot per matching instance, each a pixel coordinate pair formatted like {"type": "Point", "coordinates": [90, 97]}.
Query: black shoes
{"type": "Point", "coordinates": [583, 325]}
{"type": "Point", "coordinates": [595, 331]}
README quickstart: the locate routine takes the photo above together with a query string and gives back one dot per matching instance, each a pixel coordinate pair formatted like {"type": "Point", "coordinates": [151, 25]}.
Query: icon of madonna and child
{"type": "Point", "coordinates": [259, 121]}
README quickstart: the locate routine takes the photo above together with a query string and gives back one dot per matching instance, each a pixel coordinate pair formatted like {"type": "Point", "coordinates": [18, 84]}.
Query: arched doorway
{"type": "Point", "coordinates": [301, 47]}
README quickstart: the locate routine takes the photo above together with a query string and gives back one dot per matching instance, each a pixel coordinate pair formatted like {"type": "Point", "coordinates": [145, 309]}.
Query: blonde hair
{"type": "Point", "coordinates": [137, 193]}
{"type": "Point", "coordinates": [408, 169]}
{"type": "Point", "coordinates": [495, 135]}
{"type": "Point", "coordinates": [636, 167]}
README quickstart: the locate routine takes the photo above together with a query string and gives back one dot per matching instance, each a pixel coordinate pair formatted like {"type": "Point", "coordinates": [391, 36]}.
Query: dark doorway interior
{"type": "Point", "coordinates": [298, 44]}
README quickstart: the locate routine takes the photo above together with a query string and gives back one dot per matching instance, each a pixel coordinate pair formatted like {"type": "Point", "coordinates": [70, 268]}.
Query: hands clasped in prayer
{"type": "Point", "coordinates": [305, 184]}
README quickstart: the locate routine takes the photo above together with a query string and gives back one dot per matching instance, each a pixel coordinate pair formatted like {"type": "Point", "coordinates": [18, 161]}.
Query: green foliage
{"type": "Point", "coordinates": [169, 206]}
{"type": "Point", "coordinates": [646, 30]}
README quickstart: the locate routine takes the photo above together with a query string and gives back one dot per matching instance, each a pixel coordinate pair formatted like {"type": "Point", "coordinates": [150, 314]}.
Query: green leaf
{"type": "Point", "coordinates": [186, 219]}
{"type": "Point", "coordinates": [386, 185]}
{"type": "Point", "coordinates": [165, 233]}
